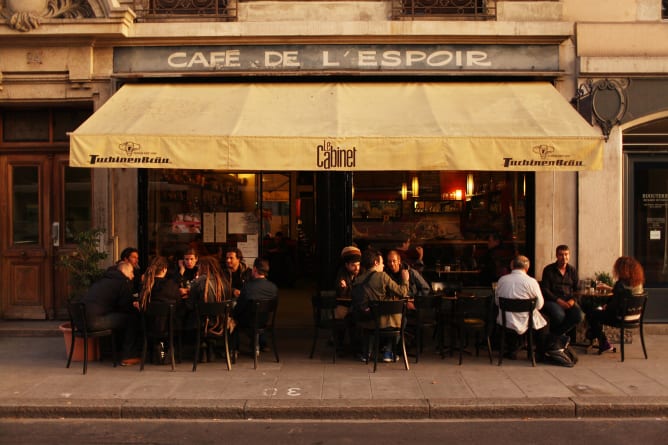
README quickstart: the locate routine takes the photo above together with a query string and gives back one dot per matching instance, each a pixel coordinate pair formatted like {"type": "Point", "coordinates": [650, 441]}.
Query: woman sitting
{"type": "Point", "coordinates": [630, 278]}
{"type": "Point", "coordinates": [210, 284]}
{"type": "Point", "coordinates": [156, 287]}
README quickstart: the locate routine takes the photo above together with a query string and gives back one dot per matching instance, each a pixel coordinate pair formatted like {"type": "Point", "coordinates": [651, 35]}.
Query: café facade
{"type": "Point", "coordinates": [172, 133]}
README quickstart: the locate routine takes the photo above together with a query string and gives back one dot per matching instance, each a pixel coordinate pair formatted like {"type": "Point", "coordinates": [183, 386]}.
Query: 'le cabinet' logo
{"type": "Point", "coordinates": [329, 156]}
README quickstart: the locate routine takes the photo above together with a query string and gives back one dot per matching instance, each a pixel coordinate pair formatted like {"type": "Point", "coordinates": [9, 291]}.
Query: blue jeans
{"type": "Point", "coordinates": [561, 320]}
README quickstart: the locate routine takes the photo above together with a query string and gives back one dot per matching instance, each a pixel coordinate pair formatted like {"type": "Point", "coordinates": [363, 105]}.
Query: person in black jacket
{"type": "Point", "coordinates": [258, 288]}
{"type": "Point", "coordinates": [110, 305]}
{"type": "Point", "coordinates": [156, 287]}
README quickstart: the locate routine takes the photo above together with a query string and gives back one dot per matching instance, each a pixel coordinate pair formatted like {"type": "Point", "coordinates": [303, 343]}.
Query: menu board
{"type": "Point", "coordinates": [242, 223]}
{"type": "Point", "coordinates": [249, 248]}
{"type": "Point", "coordinates": [208, 227]}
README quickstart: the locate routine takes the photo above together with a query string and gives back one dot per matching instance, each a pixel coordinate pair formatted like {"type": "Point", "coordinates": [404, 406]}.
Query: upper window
{"type": "Point", "coordinates": [190, 9]}
{"type": "Point", "coordinates": [664, 9]}
{"type": "Point", "coordinates": [444, 9]}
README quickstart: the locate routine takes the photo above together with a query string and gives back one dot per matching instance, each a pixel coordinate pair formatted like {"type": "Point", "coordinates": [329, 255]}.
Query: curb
{"type": "Point", "coordinates": [386, 409]}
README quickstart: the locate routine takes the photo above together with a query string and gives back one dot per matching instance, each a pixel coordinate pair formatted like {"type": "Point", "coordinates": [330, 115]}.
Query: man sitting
{"type": "Point", "coordinates": [417, 285]}
{"type": "Point", "coordinates": [519, 285]}
{"type": "Point", "coordinates": [110, 305]}
{"type": "Point", "coordinates": [258, 288]}
{"type": "Point", "coordinates": [559, 282]}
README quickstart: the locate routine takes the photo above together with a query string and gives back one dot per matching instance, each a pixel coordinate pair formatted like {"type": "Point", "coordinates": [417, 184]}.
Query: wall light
{"type": "Point", "coordinates": [404, 191]}
{"type": "Point", "coordinates": [415, 187]}
{"type": "Point", "coordinates": [459, 194]}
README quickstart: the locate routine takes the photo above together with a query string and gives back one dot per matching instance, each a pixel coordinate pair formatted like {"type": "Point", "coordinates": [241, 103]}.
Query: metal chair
{"type": "Point", "coordinates": [324, 306]}
{"type": "Point", "coordinates": [79, 323]}
{"type": "Point", "coordinates": [427, 315]}
{"type": "Point", "coordinates": [380, 310]}
{"type": "Point", "coordinates": [212, 319]}
{"type": "Point", "coordinates": [518, 306]}
{"type": "Point", "coordinates": [263, 315]}
{"type": "Point", "coordinates": [158, 325]}
{"type": "Point", "coordinates": [473, 314]}
{"type": "Point", "coordinates": [630, 316]}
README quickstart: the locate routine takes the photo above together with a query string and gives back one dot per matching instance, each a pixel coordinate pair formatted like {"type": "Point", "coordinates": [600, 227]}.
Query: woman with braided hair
{"type": "Point", "coordinates": [210, 284]}
{"type": "Point", "coordinates": [156, 287]}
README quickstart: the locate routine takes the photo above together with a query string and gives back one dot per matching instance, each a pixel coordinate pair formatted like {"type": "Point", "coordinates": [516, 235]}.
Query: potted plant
{"type": "Point", "coordinates": [83, 269]}
{"type": "Point", "coordinates": [604, 277]}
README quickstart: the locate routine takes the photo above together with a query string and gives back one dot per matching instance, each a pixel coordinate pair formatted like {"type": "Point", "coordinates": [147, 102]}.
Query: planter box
{"type": "Point", "coordinates": [78, 355]}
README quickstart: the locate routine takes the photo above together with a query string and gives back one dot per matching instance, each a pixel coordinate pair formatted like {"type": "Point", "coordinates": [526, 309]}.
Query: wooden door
{"type": "Point", "coordinates": [43, 203]}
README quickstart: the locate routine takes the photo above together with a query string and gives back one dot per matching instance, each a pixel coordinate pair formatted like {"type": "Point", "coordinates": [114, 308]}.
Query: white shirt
{"type": "Point", "coordinates": [519, 285]}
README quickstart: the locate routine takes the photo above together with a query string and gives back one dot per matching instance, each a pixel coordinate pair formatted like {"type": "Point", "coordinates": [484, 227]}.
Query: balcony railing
{"type": "Point", "coordinates": [444, 9]}
{"type": "Point", "coordinates": [216, 10]}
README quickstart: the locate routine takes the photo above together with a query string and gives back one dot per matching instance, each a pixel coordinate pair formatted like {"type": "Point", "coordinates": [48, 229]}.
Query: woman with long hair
{"type": "Point", "coordinates": [210, 284]}
{"type": "Point", "coordinates": [156, 286]}
{"type": "Point", "coordinates": [630, 279]}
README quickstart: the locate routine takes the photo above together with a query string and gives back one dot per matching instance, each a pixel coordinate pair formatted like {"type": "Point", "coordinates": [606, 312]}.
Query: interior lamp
{"type": "Point", "coordinates": [469, 185]}
{"type": "Point", "coordinates": [459, 194]}
{"type": "Point", "coordinates": [404, 191]}
{"type": "Point", "coordinates": [415, 187]}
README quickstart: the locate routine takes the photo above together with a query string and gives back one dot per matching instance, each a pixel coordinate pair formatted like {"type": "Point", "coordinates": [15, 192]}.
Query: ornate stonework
{"type": "Point", "coordinates": [26, 15]}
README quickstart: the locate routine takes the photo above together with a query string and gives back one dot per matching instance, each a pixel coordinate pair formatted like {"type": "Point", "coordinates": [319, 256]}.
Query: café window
{"type": "Point", "coordinates": [207, 210]}
{"type": "Point", "coordinates": [449, 213]}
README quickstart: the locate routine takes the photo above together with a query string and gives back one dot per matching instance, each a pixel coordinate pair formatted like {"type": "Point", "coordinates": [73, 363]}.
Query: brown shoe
{"type": "Point", "coordinates": [130, 361]}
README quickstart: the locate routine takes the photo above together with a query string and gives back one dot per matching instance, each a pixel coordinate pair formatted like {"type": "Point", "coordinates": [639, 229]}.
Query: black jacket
{"type": "Point", "coordinates": [111, 293]}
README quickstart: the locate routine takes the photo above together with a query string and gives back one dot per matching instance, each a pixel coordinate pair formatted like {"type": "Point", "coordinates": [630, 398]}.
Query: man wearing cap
{"type": "Point", "coordinates": [350, 268]}
{"type": "Point", "coordinates": [345, 277]}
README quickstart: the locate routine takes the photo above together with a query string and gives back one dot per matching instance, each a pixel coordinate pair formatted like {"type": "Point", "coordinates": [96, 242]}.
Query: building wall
{"type": "Point", "coordinates": [597, 38]}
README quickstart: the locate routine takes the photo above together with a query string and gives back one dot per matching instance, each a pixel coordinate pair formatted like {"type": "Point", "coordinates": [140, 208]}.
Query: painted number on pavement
{"type": "Point", "coordinates": [292, 392]}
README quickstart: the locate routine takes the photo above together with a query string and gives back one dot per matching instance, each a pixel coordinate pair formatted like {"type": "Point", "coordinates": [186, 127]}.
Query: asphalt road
{"type": "Point", "coordinates": [517, 432]}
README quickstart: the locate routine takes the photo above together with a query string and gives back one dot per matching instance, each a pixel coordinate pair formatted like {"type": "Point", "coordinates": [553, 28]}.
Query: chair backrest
{"type": "Point", "coordinates": [517, 305]}
{"type": "Point", "coordinates": [389, 307]}
{"type": "Point", "coordinates": [213, 316]}
{"type": "Point", "coordinates": [212, 309]}
{"type": "Point", "coordinates": [160, 309]}
{"type": "Point", "coordinates": [77, 313]}
{"type": "Point", "coordinates": [323, 307]}
{"type": "Point", "coordinates": [632, 309]}
{"type": "Point", "coordinates": [474, 306]}
{"type": "Point", "coordinates": [478, 291]}
{"type": "Point", "coordinates": [264, 312]}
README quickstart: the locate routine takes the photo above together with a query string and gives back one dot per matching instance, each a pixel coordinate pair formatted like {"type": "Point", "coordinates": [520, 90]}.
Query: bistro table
{"type": "Point", "coordinates": [588, 300]}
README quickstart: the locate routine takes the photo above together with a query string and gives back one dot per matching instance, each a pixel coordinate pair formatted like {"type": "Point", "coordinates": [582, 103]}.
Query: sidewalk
{"type": "Point", "coordinates": [36, 384]}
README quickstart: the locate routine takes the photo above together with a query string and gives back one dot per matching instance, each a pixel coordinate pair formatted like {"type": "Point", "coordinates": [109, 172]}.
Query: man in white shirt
{"type": "Point", "coordinates": [519, 285]}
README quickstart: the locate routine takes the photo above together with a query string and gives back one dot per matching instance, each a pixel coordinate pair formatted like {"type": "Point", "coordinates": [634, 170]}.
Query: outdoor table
{"type": "Point", "coordinates": [588, 300]}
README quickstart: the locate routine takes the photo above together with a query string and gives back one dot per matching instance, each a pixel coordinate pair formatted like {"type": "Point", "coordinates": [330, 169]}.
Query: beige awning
{"type": "Point", "coordinates": [338, 126]}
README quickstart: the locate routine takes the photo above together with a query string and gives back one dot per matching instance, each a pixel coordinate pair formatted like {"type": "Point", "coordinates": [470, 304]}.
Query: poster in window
{"type": "Point", "coordinates": [221, 227]}
{"type": "Point", "coordinates": [242, 222]}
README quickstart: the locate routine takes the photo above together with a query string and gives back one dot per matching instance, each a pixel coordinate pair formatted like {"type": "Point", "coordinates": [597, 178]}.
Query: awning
{"type": "Point", "coordinates": [338, 126]}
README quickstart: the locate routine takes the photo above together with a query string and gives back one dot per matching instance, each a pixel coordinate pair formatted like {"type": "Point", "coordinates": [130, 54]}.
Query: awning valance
{"type": "Point", "coordinates": [338, 126]}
